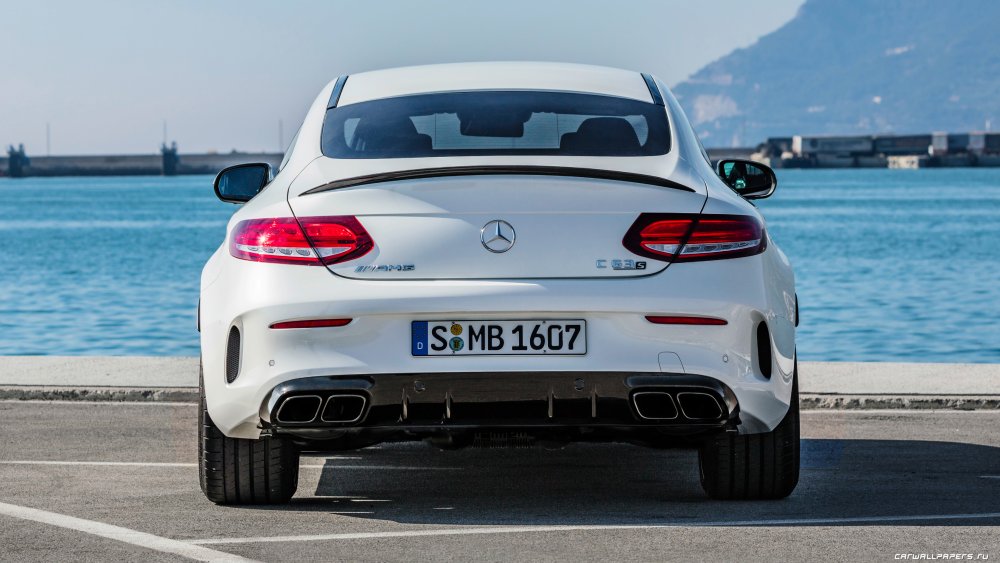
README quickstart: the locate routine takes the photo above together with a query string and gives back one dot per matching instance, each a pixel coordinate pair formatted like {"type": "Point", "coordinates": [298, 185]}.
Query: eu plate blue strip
{"type": "Point", "coordinates": [418, 346]}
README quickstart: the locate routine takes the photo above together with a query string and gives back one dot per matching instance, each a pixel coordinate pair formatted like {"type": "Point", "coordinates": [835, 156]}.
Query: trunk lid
{"type": "Point", "coordinates": [499, 225]}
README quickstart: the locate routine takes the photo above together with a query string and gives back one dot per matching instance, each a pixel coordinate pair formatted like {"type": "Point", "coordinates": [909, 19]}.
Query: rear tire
{"type": "Point", "coordinates": [754, 466]}
{"type": "Point", "coordinates": [237, 471]}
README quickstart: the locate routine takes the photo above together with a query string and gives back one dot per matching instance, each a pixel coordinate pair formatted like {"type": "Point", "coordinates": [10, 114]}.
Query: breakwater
{"type": "Point", "coordinates": [18, 163]}
{"type": "Point", "coordinates": [924, 150]}
{"type": "Point", "coordinates": [927, 150]}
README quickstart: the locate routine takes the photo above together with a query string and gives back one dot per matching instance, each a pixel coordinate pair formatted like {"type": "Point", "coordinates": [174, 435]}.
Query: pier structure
{"type": "Point", "coordinates": [16, 161]}
{"type": "Point", "coordinates": [927, 150]}
{"type": "Point", "coordinates": [169, 162]}
{"type": "Point", "coordinates": [170, 159]}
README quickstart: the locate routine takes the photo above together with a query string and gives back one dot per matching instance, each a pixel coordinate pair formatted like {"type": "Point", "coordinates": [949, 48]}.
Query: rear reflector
{"type": "Point", "coordinates": [687, 238]}
{"type": "Point", "coordinates": [677, 320]}
{"type": "Point", "coordinates": [313, 323]}
{"type": "Point", "coordinates": [311, 241]}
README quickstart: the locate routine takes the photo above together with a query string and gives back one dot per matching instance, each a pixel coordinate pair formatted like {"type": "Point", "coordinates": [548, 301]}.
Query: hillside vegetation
{"type": "Point", "coordinates": [883, 66]}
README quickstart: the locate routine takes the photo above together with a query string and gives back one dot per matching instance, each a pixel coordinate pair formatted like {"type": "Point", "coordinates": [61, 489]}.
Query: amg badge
{"type": "Point", "coordinates": [385, 268]}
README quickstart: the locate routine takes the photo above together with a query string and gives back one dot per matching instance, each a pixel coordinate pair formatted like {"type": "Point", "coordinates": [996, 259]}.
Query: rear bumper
{"type": "Point", "coordinates": [424, 404]}
{"type": "Point", "coordinates": [250, 297]}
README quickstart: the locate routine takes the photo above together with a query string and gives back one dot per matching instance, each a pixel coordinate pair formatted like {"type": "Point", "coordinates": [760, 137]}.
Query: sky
{"type": "Point", "coordinates": [106, 75]}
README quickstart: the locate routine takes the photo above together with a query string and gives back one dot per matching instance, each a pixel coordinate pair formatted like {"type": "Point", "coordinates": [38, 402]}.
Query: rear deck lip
{"type": "Point", "coordinates": [499, 170]}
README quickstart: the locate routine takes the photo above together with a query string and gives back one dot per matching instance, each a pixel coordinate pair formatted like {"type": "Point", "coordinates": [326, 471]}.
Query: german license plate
{"type": "Point", "coordinates": [499, 338]}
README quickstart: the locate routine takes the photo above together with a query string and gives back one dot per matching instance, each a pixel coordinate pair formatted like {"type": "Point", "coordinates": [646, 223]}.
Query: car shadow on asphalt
{"type": "Point", "coordinates": [618, 484]}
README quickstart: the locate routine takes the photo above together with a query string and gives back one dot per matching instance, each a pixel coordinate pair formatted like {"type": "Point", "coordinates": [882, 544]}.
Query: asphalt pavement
{"type": "Point", "coordinates": [95, 481]}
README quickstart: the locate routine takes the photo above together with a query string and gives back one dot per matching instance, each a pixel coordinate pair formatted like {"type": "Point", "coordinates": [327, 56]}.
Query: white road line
{"type": "Point", "coordinates": [117, 533]}
{"type": "Point", "coordinates": [37, 402]}
{"type": "Point", "coordinates": [488, 530]}
{"type": "Point", "coordinates": [100, 463]}
{"type": "Point", "coordinates": [156, 464]}
{"type": "Point", "coordinates": [402, 467]}
{"type": "Point", "coordinates": [989, 476]}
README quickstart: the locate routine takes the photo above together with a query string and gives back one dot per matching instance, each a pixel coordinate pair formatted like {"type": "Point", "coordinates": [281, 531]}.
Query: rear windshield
{"type": "Point", "coordinates": [496, 123]}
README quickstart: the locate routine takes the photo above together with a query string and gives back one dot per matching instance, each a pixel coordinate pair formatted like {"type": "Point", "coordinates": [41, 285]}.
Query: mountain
{"type": "Point", "coordinates": [838, 67]}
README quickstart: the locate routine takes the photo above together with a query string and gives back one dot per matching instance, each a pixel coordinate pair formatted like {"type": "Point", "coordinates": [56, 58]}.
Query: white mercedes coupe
{"type": "Point", "coordinates": [497, 255]}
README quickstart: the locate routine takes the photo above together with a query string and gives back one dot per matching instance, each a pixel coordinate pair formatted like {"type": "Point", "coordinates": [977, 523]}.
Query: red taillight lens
{"type": "Point", "coordinates": [684, 238]}
{"type": "Point", "coordinates": [313, 241]}
{"type": "Point", "coordinates": [661, 238]}
{"type": "Point", "coordinates": [277, 240]}
{"type": "Point", "coordinates": [723, 237]}
{"type": "Point", "coordinates": [337, 239]}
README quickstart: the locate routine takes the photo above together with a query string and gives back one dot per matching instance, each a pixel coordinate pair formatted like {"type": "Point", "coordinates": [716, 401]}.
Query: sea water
{"type": "Point", "coordinates": [890, 265]}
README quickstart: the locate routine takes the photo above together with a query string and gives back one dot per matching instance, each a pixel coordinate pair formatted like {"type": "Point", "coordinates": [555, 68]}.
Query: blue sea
{"type": "Point", "coordinates": [891, 265]}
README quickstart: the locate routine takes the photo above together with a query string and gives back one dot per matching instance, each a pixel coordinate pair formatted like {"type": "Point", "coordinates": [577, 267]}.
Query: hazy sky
{"type": "Point", "coordinates": [106, 74]}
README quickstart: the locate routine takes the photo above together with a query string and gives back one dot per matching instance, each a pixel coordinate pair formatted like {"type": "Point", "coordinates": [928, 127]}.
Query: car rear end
{"type": "Point", "coordinates": [428, 277]}
{"type": "Point", "coordinates": [312, 334]}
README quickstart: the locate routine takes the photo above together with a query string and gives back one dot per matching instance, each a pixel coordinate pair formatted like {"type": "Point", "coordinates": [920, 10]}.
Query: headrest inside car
{"type": "Point", "coordinates": [600, 132]}
{"type": "Point", "coordinates": [389, 134]}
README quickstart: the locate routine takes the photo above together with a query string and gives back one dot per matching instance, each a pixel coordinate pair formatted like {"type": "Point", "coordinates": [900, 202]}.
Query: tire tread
{"type": "Point", "coordinates": [754, 466]}
{"type": "Point", "coordinates": [238, 471]}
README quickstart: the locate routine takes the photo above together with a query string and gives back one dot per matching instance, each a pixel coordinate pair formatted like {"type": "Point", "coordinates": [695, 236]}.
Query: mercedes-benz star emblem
{"type": "Point", "coordinates": [498, 236]}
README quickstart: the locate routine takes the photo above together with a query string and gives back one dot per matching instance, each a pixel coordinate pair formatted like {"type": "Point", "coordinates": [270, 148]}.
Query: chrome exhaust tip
{"type": "Point", "coordinates": [700, 406]}
{"type": "Point", "coordinates": [654, 405]}
{"type": "Point", "coordinates": [346, 408]}
{"type": "Point", "coordinates": [301, 409]}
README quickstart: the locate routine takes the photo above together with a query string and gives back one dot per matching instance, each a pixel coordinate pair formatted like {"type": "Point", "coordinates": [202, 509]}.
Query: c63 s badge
{"type": "Point", "coordinates": [623, 264]}
{"type": "Point", "coordinates": [385, 268]}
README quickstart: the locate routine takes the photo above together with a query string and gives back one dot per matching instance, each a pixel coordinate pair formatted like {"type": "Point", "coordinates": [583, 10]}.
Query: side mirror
{"type": "Point", "coordinates": [750, 179]}
{"type": "Point", "coordinates": [238, 184]}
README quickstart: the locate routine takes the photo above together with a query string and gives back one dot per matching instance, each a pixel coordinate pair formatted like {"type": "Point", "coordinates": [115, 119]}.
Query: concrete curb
{"type": "Point", "coordinates": [815, 378]}
{"type": "Point", "coordinates": [806, 401]}
{"type": "Point", "coordinates": [908, 402]}
{"type": "Point", "coordinates": [95, 394]}
{"type": "Point", "coordinates": [823, 385]}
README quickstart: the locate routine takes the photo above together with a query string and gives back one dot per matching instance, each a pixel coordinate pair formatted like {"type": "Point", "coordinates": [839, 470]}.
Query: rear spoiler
{"type": "Point", "coordinates": [498, 170]}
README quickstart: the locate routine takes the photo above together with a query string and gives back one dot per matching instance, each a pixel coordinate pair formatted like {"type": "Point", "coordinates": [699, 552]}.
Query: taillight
{"type": "Point", "coordinates": [337, 239]}
{"type": "Point", "coordinates": [312, 241]}
{"type": "Point", "coordinates": [686, 238]}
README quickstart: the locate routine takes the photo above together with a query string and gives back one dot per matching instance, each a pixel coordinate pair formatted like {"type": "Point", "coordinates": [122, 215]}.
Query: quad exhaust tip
{"type": "Point", "coordinates": [664, 405]}
{"type": "Point", "coordinates": [699, 406]}
{"type": "Point", "coordinates": [305, 409]}
{"type": "Point", "coordinates": [301, 409]}
{"type": "Point", "coordinates": [654, 405]}
{"type": "Point", "coordinates": [344, 408]}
